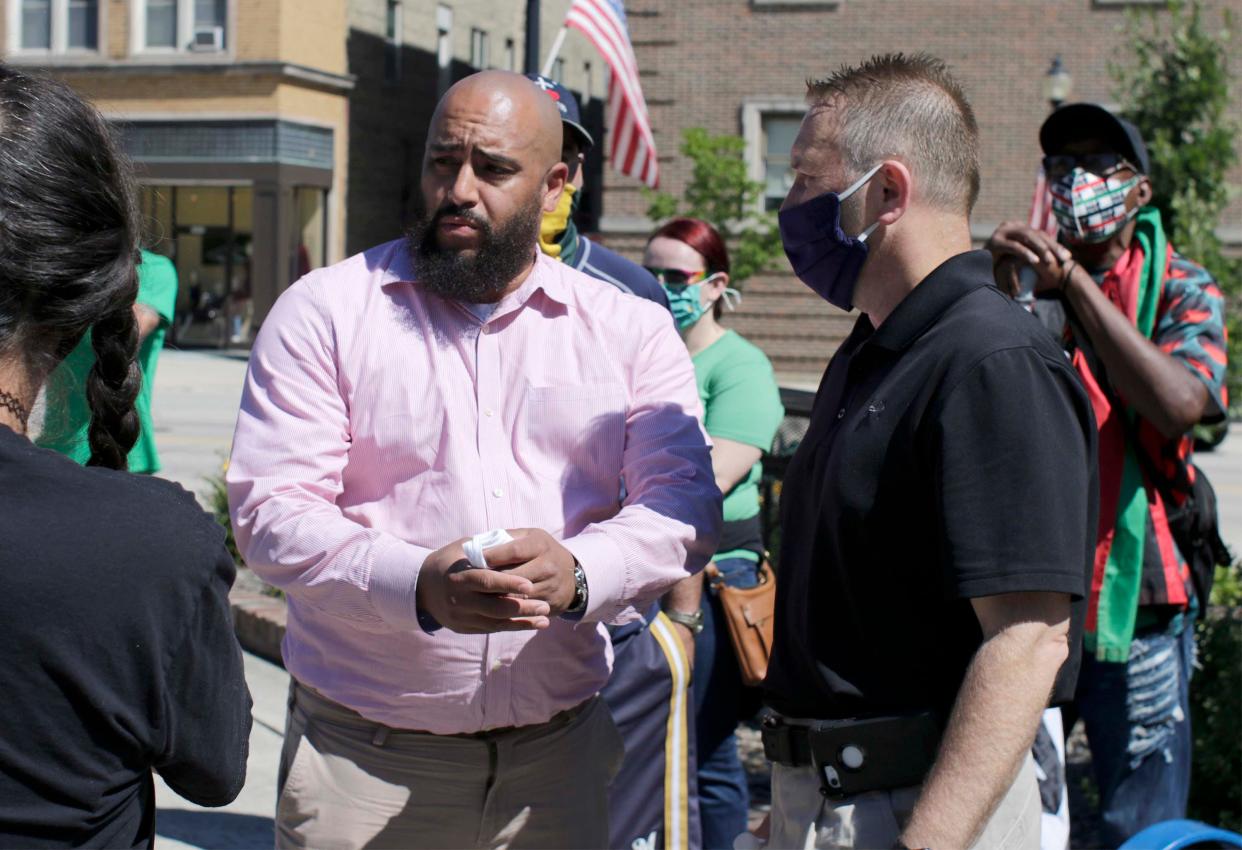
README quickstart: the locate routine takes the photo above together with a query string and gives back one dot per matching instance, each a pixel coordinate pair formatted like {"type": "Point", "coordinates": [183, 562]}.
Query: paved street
{"type": "Point", "coordinates": [195, 403]}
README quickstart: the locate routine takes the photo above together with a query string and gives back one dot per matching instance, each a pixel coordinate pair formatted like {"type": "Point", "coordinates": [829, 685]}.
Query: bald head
{"type": "Point", "coordinates": [509, 106]}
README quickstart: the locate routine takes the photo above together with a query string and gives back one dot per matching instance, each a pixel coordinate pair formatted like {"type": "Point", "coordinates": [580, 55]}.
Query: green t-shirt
{"type": "Point", "coordinates": [741, 402]}
{"type": "Point", "coordinates": [68, 415]}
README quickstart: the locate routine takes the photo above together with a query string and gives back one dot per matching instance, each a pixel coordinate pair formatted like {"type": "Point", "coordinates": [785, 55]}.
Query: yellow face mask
{"type": "Point", "coordinates": [555, 222]}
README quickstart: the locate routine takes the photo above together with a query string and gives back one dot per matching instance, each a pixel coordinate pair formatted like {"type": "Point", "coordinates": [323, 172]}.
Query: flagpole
{"type": "Point", "coordinates": [556, 49]}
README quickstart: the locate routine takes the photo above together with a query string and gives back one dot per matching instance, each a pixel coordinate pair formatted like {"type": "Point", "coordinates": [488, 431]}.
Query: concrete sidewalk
{"type": "Point", "coordinates": [194, 407]}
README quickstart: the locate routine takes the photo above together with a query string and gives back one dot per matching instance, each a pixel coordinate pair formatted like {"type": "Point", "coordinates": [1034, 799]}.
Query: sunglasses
{"type": "Point", "coordinates": [677, 277]}
{"type": "Point", "coordinates": [1102, 164]}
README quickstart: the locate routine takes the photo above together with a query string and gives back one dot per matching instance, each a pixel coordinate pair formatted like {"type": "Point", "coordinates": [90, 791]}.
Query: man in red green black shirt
{"type": "Point", "coordinates": [1144, 327]}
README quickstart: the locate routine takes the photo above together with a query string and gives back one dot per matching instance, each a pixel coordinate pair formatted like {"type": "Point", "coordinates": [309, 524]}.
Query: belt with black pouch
{"type": "Point", "coordinates": [856, 755]}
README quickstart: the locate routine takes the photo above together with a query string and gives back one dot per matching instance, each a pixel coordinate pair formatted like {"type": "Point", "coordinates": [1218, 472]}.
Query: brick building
{"type": "Point", "coordinates": [235, 113]}
{"type": "Point", "coordinates": [738, 66]}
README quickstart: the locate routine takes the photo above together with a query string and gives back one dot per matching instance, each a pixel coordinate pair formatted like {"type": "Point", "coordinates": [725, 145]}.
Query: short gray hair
{"type": "Point", "coordinates": [907, 108]}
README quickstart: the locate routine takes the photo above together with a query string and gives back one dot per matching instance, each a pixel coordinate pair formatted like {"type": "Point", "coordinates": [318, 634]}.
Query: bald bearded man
{"type": "Point", "coordinates": [427, 390]}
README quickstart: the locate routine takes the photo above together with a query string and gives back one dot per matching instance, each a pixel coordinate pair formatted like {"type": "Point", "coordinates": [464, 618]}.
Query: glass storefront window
{"type": "Point", "coordinates": [208, 233]}
{"type": "Point", "coordinates": [309, 237]}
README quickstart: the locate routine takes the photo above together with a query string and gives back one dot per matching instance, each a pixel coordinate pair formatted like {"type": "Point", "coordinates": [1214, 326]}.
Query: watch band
{"type": "Point", "coordinates": [693, 622]}
{"type": "Point", "coordinates": [579, 603]}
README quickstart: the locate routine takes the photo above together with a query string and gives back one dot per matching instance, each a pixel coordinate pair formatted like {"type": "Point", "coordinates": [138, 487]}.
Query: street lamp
{"type": "Point", "coordinates": [1057, 84]}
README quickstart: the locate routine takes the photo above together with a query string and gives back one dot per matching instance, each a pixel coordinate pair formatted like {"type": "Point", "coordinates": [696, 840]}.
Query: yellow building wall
{"type": "Point", "coordinates": [313, 33]}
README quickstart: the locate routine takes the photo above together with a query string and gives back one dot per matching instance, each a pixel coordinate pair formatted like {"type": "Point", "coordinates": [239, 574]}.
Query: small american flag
{"type": "Point", "coordinates": [632, 145]}
{"type": "Point", "coordinates": [1041, 206]}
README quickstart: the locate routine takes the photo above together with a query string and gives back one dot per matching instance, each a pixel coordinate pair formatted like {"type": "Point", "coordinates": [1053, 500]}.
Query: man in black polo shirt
{"type": "Point", "coordinates": [938, 517]}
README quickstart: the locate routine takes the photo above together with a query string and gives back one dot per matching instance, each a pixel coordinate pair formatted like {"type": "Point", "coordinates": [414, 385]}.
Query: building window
{"type": "Point", "coordinates": [36, 24]}
{"type": "Point", "coordinates": [83, 24]}
{"type": "Point", "coordinates": [209, 14]}
{"type": "Point", "coordinates": [510, 55]}
{"type": "Point", "coordinates": [162, 23]}
{"type": "Point", "coordinates": [478, 48]}
{"type": "Point", "coordinates": [769, 127]}
{"type": "Point", "coordinates": [392, 42]}
{"type": "Point", "coordinates": [56, 26]}
{"type": "Point", "coordinates": [779, 132]}
{"type": "Point", "coordinates": [444, 47]}
{"type": "Point", "coordinates": [200, 26]}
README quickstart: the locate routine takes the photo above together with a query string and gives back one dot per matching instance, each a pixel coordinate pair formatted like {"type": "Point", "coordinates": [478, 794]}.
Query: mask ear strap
{"type": "Point", "coordinates": [862, 237]}
{"type": "Point", "coordinates": [731, 298]}
{"type": "Point", "coordinates": [857, 184]}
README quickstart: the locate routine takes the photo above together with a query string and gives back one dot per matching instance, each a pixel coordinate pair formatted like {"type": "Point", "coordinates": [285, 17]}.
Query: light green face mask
{"type": "Point", "coordinates": [685, 300]}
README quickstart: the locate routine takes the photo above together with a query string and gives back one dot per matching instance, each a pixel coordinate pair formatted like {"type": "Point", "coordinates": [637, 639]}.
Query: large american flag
{"type": "Point", "coordinates": [631, 145]}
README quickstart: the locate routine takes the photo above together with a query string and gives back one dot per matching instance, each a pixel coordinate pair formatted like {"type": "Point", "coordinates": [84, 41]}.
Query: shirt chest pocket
{"type": "Point", "coordinates": [574, 434]}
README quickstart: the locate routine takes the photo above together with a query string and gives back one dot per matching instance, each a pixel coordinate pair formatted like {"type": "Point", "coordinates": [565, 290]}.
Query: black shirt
{"type": "Point", "coordinates": [117, 653]}
{"type": "Point", "coordinates": [950, 455]}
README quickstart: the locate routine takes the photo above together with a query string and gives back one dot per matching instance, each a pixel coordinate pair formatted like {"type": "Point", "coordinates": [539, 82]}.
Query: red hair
{"type": "Point", "coordinates": [700, 236]}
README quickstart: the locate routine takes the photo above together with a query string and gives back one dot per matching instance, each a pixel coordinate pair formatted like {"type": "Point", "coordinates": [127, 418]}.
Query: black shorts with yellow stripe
{"type": "Point", "coordinates": [652, 801]}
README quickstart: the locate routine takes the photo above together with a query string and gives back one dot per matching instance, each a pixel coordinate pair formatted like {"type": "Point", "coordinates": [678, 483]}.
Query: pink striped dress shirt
{"type": "Point", "coordinates": [380, 423]}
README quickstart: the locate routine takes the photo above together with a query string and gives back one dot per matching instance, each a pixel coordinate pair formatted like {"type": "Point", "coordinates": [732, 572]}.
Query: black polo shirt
{"type": "Point", "coordinates": [950, 455]}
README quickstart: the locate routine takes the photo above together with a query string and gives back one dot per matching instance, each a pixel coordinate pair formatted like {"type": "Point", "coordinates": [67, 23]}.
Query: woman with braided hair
{"type": "Point", "coordinates": [116, 650]}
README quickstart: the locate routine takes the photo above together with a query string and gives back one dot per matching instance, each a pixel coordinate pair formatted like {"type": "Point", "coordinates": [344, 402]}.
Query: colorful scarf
{"type": "Point", "coordinates": [1127, 501]}
{"type": "Point", "coordinates": [558, 235]}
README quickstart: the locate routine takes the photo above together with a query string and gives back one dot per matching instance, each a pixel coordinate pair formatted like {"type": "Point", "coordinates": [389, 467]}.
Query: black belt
{"type": "Point", "coordinates": [856, 755]}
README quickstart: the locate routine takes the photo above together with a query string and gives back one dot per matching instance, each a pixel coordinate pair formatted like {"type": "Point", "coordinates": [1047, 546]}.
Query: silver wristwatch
{"type": "Point", "coordinates": [579, 603]}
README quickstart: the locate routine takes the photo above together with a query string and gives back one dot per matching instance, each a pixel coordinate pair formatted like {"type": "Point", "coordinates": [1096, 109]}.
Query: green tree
{"type": "Point", "coordinates": [1175, 88]}
{"type": "Point", "coordinates": [721, 192]}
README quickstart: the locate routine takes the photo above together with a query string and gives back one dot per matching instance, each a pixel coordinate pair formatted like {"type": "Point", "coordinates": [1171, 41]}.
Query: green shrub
{"type": "Point", "coordinates": [721, 193]}
{"type": "Point", "coordinates": [1216, 721]}
{"type": "Point", "coordinates": [218, 499]}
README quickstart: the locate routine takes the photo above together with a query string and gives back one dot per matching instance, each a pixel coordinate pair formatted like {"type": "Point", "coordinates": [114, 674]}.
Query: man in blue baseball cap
{"type": "Point", "coordinates": [559, 236]}
{"type": "Point", "coordinates": [653, 799]}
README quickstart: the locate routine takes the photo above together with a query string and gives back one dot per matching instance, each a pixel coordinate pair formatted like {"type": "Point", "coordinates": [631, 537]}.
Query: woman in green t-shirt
{"type": "Point", "coordinates": [742, 409]}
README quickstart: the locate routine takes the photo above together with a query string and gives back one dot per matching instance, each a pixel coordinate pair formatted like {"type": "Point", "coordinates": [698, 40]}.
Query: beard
{"type": "Point", "coordinates": [481, 275]}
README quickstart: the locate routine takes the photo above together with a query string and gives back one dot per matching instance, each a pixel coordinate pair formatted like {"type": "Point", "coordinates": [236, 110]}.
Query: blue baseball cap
{"type": "Point", "coordinates": [568, 105]}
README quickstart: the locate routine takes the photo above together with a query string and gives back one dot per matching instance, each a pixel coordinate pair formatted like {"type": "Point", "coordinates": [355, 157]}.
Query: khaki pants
{"type": "Point", "coordinates": [803, 819]}
{"type": "Point", "coordinates": [347, 782]}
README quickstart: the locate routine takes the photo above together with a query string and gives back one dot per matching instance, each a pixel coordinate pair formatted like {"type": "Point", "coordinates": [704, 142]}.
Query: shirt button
{"type": "Point", "coordinates": [841, 413]}
{"type": "Point", "coordinates": [498, 492]}
{"type": "Point", "coordinates": [489, 412]}
{"type": "Point", "coordinates": [487, 329]}
{"type": "Point", "coordinates": [495, 666]}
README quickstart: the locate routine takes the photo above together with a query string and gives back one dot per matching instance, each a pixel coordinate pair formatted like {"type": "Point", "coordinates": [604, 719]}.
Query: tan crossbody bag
{"type": "Point", "coordinates": [748, 613]}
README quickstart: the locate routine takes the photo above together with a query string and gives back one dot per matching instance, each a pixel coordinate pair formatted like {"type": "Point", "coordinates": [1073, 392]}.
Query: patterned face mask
{"type": "Point", "coordinates": [1090, 208]}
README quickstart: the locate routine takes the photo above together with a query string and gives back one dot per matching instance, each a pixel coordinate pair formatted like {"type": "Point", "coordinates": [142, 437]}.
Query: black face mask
{"type": "Point", "coordinates": [823, 256]}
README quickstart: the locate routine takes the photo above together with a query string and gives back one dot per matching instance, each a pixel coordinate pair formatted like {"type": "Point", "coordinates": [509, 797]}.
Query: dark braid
{"type": "Point", "coordinates": [68, 250]}
{"type": "Point", "coordinates": [112, 386]}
